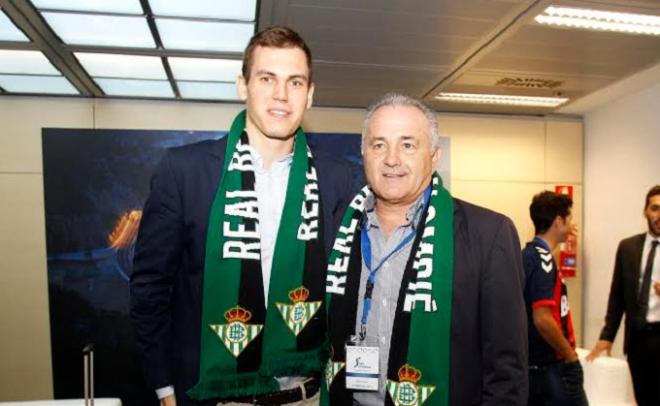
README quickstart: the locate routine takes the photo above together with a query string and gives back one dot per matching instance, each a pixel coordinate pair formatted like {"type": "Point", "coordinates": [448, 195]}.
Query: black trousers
{"type": "Point", "coordinates": [644, 364]}
{"type": "Point", "coordinates": [557, 384]}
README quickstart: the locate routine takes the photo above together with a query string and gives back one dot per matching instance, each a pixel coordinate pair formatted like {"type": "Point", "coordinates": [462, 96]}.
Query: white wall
{"type": "Point", "coordinates": [621, 163]}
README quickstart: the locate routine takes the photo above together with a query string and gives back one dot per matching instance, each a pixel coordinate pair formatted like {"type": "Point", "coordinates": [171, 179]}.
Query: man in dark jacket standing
{"type": "Point", "coordinates": [227, 293]}
{"type": "Point", "coordinates": [635, 291]}
{"type": "Point", "coordinates": [424, 290]}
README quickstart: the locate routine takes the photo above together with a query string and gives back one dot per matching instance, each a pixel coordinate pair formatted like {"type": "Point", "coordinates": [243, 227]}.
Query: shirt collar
{"type": "Point", "coordinates": [540, 241]}
{"type": "Point", "coordinates": [412, 216]}
{"type": "Point", "coordinates": [258, 161]}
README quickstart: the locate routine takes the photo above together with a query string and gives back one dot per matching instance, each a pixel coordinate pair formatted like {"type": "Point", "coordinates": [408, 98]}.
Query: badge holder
{"type": "Point", "coordinates": [362, 358]}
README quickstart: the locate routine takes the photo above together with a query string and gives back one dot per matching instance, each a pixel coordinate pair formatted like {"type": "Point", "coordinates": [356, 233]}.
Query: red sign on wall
{"type": "Point", "coordinates": [564, 190]}
{"type": "Point", "coordinates": [568, 252]}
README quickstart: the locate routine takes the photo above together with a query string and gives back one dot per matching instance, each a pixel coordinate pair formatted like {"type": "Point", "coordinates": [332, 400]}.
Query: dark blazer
{"type": "Point", "coordinates": [166, 284]}
{"type": "Point", "coordinates": [489, 323]}
{"type": "Point", "coordinates": [624, 289]}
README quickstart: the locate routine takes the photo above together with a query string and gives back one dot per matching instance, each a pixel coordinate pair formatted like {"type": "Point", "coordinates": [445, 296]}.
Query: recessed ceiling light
{"type": "Point", "coordinates": [207, 90]}
{"type": "Point", "coordinates": [122, 66]}
{"type": "Point", "coordinates": [25, 62]}
{"type": "Point", "coordinates": [218, 70]}
{"type": "Point", "coordinates": [600, 20]}
{"type": "Point", "coordinates": [9, 32]}
{"type": "Point", "coordinates": [243, 10]}
{"type": "Point", "coordinates": [135, 88]}
{"type": "Point", "coordinates": [101, 30]}
{"type": "Point", "coordinates": [500, 99]}
{"type": "Point", "coordinates": [36, 84]}
{"type": "Point", "coordinates": [114, 6]}
{"type": "Point", "coordinates": [204, 35]}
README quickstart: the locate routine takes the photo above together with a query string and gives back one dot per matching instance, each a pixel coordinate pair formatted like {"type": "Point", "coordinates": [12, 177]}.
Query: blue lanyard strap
{"type": "Point", "coordinates": [371, 280]}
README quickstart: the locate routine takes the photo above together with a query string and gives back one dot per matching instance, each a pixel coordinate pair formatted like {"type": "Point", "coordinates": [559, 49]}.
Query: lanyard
{"type": "Point", "coordinates": [371, 280]}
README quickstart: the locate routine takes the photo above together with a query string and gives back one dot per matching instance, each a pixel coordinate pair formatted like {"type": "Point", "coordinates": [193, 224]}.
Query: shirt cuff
{"type": "Point", "coordinates": [544, 303]}
{"type": "Point", "coordinates": [165, 391]}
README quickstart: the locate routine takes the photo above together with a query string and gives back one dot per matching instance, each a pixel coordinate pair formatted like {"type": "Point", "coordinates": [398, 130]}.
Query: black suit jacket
{"type": "Point", "coordinates": [166, 284]}
{"type": "Point", "coordinates": [624, 289]}
{"type": "Point", "coordinates": [489, 324]}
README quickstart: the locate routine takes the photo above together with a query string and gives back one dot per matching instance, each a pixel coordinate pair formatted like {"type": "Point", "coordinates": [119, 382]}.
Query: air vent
{"type": "Point", "coordinates": [529, 83]}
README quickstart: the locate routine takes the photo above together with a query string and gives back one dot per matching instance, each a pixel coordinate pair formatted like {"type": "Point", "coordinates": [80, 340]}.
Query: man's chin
{"type": "Point", "coordinates": [281, 134]}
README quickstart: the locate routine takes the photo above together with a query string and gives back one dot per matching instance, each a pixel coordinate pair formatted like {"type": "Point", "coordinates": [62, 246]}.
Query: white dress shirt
{"type": "Point", "coordinates": [653, 314]}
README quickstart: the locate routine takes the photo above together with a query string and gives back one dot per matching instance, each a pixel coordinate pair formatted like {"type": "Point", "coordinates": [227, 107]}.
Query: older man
{"type": "Point", "coordinates": [424, 290]}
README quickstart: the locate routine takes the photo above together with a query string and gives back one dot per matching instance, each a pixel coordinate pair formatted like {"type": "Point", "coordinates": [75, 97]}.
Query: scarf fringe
{"type": "Point", "coordinates": [233, 385]}
{"type": "Point", "coordinates": [294, 364]}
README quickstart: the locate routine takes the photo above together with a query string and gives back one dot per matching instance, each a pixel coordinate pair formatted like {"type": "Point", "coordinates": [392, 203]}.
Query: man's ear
{"type": "Point", "coordinates": [558, 221]}
{"type": "Point", "coordinates": [241, 87]}
{"type": "Point", "coordinates": [435, 157]}
{"type": "Point", "coordinates": [310, 95]}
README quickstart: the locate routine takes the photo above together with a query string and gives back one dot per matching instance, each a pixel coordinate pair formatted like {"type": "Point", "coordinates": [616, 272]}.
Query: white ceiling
{"type": "Point", "coordinates": [361, 49]}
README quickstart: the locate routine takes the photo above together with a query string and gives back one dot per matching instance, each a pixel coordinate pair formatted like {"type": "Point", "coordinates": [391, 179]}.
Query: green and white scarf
{"type": "Point", "coordinates": [246, 340]}
{"type": "Point", "coordinates": [419, 358]}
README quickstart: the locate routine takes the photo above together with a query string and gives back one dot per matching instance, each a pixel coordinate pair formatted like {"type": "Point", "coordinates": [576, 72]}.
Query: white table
{"type": "Point", "coordinates": [607, 381]}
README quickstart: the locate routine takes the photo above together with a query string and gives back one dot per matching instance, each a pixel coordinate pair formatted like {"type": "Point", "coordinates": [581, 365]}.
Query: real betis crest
{"type": "Point", "coordinates": [296, 315]}
{"type": "Point", "coordinates": [406, 392]}
{"type": "Point", "coordinates": [237, 334]}
{"type": "Point", "coordinates": [332, 369]}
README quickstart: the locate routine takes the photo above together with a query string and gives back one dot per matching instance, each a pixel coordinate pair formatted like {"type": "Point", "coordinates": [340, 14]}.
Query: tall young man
{"type": "Point", "coordinates": [555, 373]}
{"type": "Point", "coordinates": [227, 290]}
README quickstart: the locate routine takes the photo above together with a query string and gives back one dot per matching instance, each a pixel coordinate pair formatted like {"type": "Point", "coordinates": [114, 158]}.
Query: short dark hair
{"type": "Point", "coordinates": [276, 36]}
{"type": "Point", "coordinates": [546, 206]}
{"type": "Point", "coordinates": [655, 190]}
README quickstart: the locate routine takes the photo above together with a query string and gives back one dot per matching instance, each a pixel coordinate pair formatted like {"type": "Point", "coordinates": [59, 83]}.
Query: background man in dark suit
{"type": "Point", "coordinates": [235, 227]}
{"type": "Point", "coordinates": [635, 291]}
{"type": "Point", "coordinates": [434, 283]}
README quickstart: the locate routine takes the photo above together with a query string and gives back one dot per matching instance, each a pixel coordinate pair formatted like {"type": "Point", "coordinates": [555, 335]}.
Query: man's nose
{"type": "Point", "coordinates": [392, 157]}
{"type": "Point", "coordinates": [280, 91]}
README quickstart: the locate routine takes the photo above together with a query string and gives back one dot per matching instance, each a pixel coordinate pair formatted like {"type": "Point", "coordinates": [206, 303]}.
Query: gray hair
{"type": "Point", "coordinates": [399, 99]}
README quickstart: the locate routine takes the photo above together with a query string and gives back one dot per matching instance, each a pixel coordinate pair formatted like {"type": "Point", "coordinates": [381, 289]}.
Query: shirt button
{"type": "Point", "coordinates": [386, 264]}
{"type": "Point", "coordinates": [384, 302]}
{"type": "Point", "coordinates": [382, 340]}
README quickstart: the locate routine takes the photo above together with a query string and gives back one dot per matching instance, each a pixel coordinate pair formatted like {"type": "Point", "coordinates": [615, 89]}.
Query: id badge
{"type": "Point", "coordinates": [362, 358]}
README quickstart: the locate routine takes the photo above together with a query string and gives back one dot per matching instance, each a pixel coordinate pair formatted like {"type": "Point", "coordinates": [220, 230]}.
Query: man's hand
{"type": "Point", "coordinates": [168, 401]}
{"type": "Point", "coordinates": [601, 345]}
{"type": "Point", "coordinates": [656, 287]}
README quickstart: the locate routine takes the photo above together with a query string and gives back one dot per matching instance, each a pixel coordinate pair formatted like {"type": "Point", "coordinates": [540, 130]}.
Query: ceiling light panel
{"type": "Point", "coordinates": [207, 90]}
{"type": "Point", "coordinates": [9, 32]}
{"type": "Point", "coordinates": [122, 66]}
{"type": "Point", "coordinates": [220, 70]}
{"type": "Point", "coordinates": [101, 30]}
{"type": "Point", "coordinates": [102, 6]}
{"type": "Point", "coordinates": [509, 100]}
{"type": "Point", "coordinates": [203, 35]}
{"type": "Point", "coordinates": [243, 10]}
{"type": "Point", "coordinates": [25, 62]}
{"type": "Point", "coordinates": [599, 20]}
{"type": "Point", "coordinates": [36, 84]}
{"type": "Point", "coordinates": [135, 88]}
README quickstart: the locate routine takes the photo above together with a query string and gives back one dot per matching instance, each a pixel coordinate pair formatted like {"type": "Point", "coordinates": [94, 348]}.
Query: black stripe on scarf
{"type": "Point", "coordinates": [401, 328]}
{"type": "Point", "coordinates": [251, 288]}
{"type": "Point", "coordinates": [314, 280]}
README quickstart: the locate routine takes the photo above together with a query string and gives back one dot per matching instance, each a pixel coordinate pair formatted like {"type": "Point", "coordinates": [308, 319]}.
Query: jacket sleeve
{"type": "Point", "coordinates": [503, 321]}
{"type": "Point", "coordinates": [616, 301]}
{"type": "Point", "coordinates": [157, 256]}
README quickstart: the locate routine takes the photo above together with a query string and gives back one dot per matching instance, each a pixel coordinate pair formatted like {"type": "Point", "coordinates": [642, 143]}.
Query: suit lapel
{"type": "Point", "coordinates": [636, 254]}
